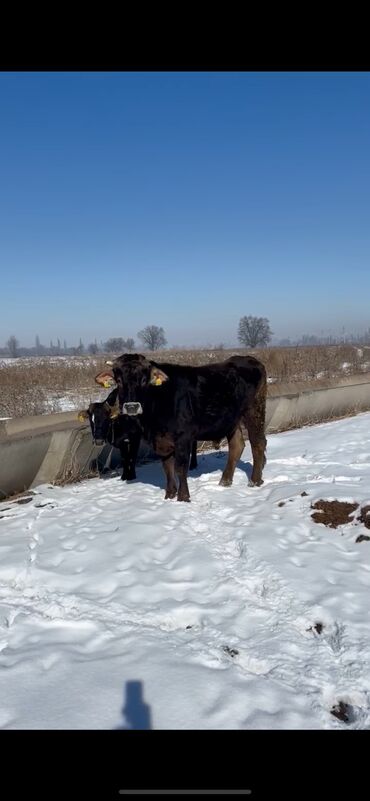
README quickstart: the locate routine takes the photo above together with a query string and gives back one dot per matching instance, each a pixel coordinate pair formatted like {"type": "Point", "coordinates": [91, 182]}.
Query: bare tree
{"type": "Point", "coordinates": [13, 346]}
{"type": "Point", "coordinates": [152, 337]}
{"type": "Point", "coordinates": [93, 348]}
{"type": "Point", "coordinates": [129, 344]}
{"type": "Point", "coordinates": [254, 331]}
{"type": "Point", "coordinates": [115, 345]}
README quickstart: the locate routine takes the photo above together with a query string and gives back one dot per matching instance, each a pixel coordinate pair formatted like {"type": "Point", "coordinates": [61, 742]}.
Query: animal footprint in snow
{"type": "Point", "coordinates": [69, 545]}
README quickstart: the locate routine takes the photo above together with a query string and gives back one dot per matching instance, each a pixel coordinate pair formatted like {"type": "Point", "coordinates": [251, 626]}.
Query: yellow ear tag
{"type": "Point", "coordinates": [158, 382]}
{"type": "Point", "coordinates": [81, 418]}
{"type": "Point", "coordinates": [106, 385]}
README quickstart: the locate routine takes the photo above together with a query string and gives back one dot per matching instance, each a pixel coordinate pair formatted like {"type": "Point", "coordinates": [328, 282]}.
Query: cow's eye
{"type": "Point", "coordinates": [143, 381]}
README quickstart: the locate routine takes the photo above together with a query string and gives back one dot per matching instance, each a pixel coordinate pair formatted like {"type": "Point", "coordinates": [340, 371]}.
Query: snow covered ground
{"type": "Point", "coordinates": [119, 609]}
{"type": "Point", "coordinates": [75, 400]}
{"type": "Point", "coordinates": [32, 361]}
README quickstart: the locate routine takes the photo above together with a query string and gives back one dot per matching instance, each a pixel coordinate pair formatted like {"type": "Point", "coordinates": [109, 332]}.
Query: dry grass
{"type": "Point", "coordinates": [285, 366]}
{"type": "Point", "coordinates": [33, 386]}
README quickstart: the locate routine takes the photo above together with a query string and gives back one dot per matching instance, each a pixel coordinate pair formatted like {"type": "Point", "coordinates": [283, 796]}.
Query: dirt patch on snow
{"type": "Point", "coordinates": [318, 627]}
{"type": "Point", "coordinates": [342, 711]}
{"type": "Point", "coordinates": [364, 517]}
{"type": "Point", "coordinates": [333, 513]}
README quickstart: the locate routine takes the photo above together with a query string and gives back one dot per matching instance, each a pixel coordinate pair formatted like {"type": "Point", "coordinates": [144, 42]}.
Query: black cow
{"type": "Point", "coordinates": [179, 404]}
{"type": "Point", "coordinates": [120, 430]}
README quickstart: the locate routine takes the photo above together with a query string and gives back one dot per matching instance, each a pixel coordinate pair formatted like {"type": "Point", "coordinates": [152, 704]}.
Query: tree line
{"type": "Point", "coordinates": [253, 332]}
{"type": "Point", "coordinates": [151, 337]}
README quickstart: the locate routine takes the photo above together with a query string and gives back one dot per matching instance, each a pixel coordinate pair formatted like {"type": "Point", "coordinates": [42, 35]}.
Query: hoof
{"type": "Point", "coordinates": [186, 500]}
{"type": "Point", "coordinates": [225, 482]}
{"type": "Point", "coordinates": [255, 483]}
{"type": "Point", "coordinates": [170, 494]}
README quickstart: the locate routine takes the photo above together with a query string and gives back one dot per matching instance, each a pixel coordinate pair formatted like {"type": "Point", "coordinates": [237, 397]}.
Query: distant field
{"type": "Point", "coordinates": [52, 384]}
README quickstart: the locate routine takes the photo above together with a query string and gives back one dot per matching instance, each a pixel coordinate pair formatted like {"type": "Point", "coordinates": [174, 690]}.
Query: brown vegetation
{"type": "Point", "coordinates": [33, 386]}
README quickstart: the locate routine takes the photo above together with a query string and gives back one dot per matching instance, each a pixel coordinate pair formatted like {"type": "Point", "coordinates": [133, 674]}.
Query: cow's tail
{"type": "Point", "coordinates": [260, 398]}
{"type": "Point", "coordinates": [254, 418]}
{"type": "Point", "coordinates": [255, 422]}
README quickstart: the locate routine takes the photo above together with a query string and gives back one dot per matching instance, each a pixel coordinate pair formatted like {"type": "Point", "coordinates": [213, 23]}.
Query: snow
{"type": "Point", "coordinates": [32, 361]}
{"type": "Point", "coordinates": [206, 608]}
{"type": "Point", "coordinates": [77, 399]}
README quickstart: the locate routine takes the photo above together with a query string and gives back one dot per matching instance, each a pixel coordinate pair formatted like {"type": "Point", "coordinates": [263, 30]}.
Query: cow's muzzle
{"type": "Point", "coordinates": [132, 408]}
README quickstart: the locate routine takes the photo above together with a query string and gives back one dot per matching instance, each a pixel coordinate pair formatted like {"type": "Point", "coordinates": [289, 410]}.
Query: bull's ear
{"type": "Point", "coordinates": [113, 411]}
{"type": "Point", "coordinates": [83, 415]}
{"type": "Point", "coordinates": [157, 377]}
{"type": "Point", "coordinates": [105, 379]}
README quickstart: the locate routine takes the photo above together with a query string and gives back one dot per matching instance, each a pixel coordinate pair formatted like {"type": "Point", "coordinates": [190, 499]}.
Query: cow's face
{"type": "Point", "coordinates": [133, 374]}
{"type": "Point", "coordinates": [100, 416]}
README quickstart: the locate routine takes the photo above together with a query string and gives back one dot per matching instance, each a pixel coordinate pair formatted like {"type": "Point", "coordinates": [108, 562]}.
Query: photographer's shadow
{"type": "Point", "coordinates": [136, 713]}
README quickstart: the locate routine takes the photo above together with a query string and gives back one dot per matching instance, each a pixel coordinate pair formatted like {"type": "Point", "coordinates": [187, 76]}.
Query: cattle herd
{"type": "Point", "coordinates": [173, 406]}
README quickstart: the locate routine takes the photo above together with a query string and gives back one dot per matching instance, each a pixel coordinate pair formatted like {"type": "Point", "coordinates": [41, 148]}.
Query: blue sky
{"type": "Point", "coordinates": [185, 200]}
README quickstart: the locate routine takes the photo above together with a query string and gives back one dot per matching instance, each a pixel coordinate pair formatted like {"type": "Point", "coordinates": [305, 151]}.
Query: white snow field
{"type": "Point", "coordinates": [208, 609]}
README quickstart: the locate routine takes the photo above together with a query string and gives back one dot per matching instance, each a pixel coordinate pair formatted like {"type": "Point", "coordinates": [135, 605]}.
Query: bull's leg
{"type": "Point", "coordinates": [132, 456]}
{"type": "Point", "coordinates": [236, 447]}
{"type": "Point", "coordinates": [169, 469]}
{"type": "Point", "coordinates": [164, 447]}
{"type": "Point", "coordinates": [125, 449]}
{"type": "Point", "coordinates": [193, 458]}
{"type": "Point", "coordinates": [182, 456]}
{"type": "Point", "coordinates": [255, 423]}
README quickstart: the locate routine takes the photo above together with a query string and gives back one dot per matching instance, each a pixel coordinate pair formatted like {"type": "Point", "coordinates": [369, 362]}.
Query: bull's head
{"type": "Point", "coordinates": [133, 374]}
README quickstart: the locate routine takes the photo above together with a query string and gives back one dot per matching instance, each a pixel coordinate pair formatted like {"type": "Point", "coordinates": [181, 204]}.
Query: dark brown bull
{"type": "Point", "coordinates": [179, 404]}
